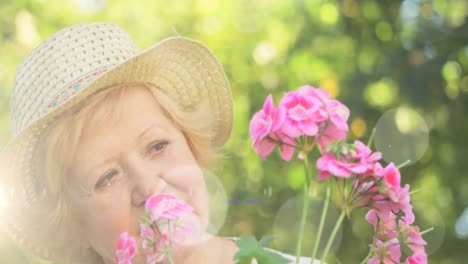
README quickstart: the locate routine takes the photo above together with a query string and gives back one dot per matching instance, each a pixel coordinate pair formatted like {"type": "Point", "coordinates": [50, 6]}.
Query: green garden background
{"type": "Point", "coordinates": [374, 56]}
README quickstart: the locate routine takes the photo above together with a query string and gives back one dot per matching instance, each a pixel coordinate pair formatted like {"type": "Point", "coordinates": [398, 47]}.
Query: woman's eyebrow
{"type": "Point", "coordinates": [143, 133]}
{"type": "Point", "coordinates": [155, 124]}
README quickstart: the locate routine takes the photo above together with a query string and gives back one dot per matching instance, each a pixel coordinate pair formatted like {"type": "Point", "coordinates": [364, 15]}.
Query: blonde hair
{"type": "Point", "coordinates": [58, 147]}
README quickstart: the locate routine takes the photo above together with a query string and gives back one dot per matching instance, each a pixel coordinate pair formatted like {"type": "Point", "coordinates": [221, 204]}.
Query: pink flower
{"type": "Point", "coordinates": [264, 129]}
{"type": "Point", "coordinates": [412, 237]}
{"type": "Point", "coordinates": [387, 253]}
{"type": "Point", "coordinates": [164, 239]}
{"type": "Point", "coordinates": [367, 158]}
{"type": "Point", "coordinates": [267, 120]}
{"type": "Point", "coordinates": [333, 110]}
{"type": "Point", "coordinates": [328, 164]}
{"type": "Point", "coordinates": [329, 134]}
{"type": "Point", "coordinates": [146, 231]}
{"type": "Point", "coordinates": [302, 114]}
{"type": "Point", "coordinates": [183, 231]}
{"type": "Point", "coordinates": [167, 227]}
{"type": "Point", "coordinates": [362, 161]}
{"type": "Point", "coordinates": [287, 145]}
{"type": "Point", "coordinates": [392, 177]}
{"type": "Point", "coordinates": [126, 249]}
{"type": "Point", "coordinates": [339, 114]}
{"type": "Point", "coordinates": [154, 257]}
{"type": "Point", "coordinates": [371, 217]}
{"type": "Point", "coordinates": [417, 258]}
{"type": "Point", "coordinates": [265, 146]}
{"type": "Point", "coordinates": [313, 92]}
{"type": "Point", "coordinates": [394, 252]}
{"type": "Point", "coordinates": [162, 205]}
{"type": "Point", "coordinates": [403, 202]}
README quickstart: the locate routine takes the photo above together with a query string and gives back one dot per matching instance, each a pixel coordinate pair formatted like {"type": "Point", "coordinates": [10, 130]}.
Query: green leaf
{"type": "Point", "coordinates": [338, 154]}
{"type": "Point", "coordinates": [145, 221]}
{"type": "Point", "coordinates": [241, 254]}
{"type": "Point", "coordinates": [265, 241]}
{"type": "Point", "coordinates": [245, 242]}
{"type": "Point", "coordinates": [245, 261]}
{"type": "Point", "coordinates": [268, 257]}
{"type": "Point", "coordinates": [247, 247]}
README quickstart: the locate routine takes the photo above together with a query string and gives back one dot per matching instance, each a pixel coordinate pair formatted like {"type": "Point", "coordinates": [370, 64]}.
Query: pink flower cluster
{"type": "Point", "coordinates": [126, 249]}
{"type": "Point", "coordinates": [308, 116]}
{"type": "Point", "coordinates": [391, 213]}
{"type": "Point", "coordinates": [354, 159]}
{"type": "Point", "coordinates": [306, 112]}
{"type": "Point", "coordinates": [161, 227]}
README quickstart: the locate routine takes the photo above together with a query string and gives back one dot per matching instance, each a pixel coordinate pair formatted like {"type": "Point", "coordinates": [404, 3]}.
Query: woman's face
{"type": "Point", "coordinates": [123, 163]}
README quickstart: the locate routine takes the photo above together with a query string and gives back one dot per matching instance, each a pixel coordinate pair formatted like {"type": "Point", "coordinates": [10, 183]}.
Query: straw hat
{"type": "Point", "coordinates": [74, 63]}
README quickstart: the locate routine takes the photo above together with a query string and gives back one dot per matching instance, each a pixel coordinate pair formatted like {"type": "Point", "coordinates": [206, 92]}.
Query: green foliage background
{"type": "Point", "coordinates": [371, 55]}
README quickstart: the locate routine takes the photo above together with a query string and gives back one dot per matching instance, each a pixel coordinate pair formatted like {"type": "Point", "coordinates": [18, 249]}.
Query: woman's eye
{"type": "Point", "coordinates": [158, 146]}
{"type": "Point", "coordinates": [105, 180]}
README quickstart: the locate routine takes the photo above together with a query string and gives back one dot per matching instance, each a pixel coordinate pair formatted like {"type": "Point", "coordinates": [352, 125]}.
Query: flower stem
{"type": "Point", "coordinates": [169, 257]}
{"type": "Point", "coordinates": [367, 257]}
{"type": "Point", "coordinates": [370, 252]}
{"type": "Point", "coordinates": [305, 206]}
{"type": "Point", "coordinates": [404, 164]}
{"type": "Point", "coordinates": [333, 234]}
{"type": "Point", "coordinates": [426, 231]}
{"type": "Point", "coordinates": [305, 203]}
{"type": "Point", "coordinates": [371, 138]}
{"type": "Point", "coordinates": [322, 222]}
{"type": "Point", "coordinates": [416, 191]}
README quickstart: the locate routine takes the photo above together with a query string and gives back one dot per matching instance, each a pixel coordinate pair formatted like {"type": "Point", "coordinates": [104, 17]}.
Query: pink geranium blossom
{"type": "Point", "coordinates": [402, 202]}
{"type": "Point", "coordinates": [168, 206]}
{"type": "Point", "coordinates": [126, 249]}
{"type": "Point", "coordinates": [169, 225]}
{"type": "Point", "coordinates": [306, 112]}
{"type": "Point", "coordinates": [339, 114]}
{"type": "Point", "coordinates": [392, 177]}
{"type": "Point", "coordinates": [417, 258]}
{"type": "Point", "coordinates": [163, 225]}
{"type": "Point", "coordinates": [412, 237]}
{"type": "Point", "coordinates": [269, 119]}
{"type": "Point", "coordinates": [265, 146]}
{"type": "Point", "coordinates": [332, 110]}
{"type": "Point", "coordinates": [302, 114]}
{"type": "Point", "coordinates": [329, 134]}
{"type": "Point", "coordinates": [371, 217]}
{"type": "Point", "coordinates": [264, 130]}
{"type": "Point", "coordinates": [387, 253]}
{"type": "Point", "coordinates": [359, 161]}
{"type": "Point", "coordinates": [328, 165]}
{"type": "Point", "coordinates": [317, 93]}
{"type": "Point", "coordinates": [368, 158]}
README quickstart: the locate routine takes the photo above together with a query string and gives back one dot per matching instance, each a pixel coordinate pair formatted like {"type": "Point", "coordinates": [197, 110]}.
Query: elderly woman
{"type": "Point", "coordinates": [99, 127]}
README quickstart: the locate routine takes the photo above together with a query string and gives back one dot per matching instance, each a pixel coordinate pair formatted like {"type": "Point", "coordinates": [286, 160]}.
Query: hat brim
{"type": "Point", "coordinates": [185, 69]}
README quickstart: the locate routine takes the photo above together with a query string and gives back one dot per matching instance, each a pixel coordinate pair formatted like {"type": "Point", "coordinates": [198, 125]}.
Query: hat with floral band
{"type": "Point", "coordinates": [71, 65]}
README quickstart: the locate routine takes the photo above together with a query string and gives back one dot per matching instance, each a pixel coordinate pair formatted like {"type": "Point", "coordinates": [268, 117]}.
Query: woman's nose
{"type": "Point", "coordinates": [146, 182]}
{"type": "Point", "coordinates": [145, 187]}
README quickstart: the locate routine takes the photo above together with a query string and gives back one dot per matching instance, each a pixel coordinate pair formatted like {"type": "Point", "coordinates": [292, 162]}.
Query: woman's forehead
{"type": "Point", "coordinates": [126, 124]}
{"type": "Point", "coordinates": [132, 110]}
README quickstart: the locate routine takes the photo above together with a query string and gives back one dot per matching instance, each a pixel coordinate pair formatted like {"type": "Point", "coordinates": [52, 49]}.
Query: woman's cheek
{"type": "Point", "coordinates": [107, 230]}
{"type": "Point", "coordinates": [110, 221]}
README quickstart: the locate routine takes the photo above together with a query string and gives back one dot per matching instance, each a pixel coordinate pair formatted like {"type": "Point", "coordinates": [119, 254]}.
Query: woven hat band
{"type": "Point", "coordinates": [62, 65]}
